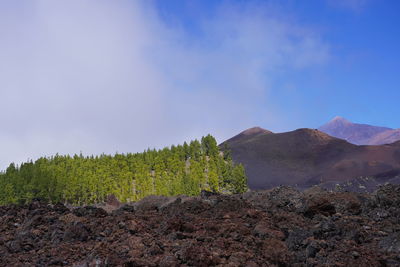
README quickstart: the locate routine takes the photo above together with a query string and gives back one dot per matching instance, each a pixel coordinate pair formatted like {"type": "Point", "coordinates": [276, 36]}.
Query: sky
{"type": "Point", "coordinates": [92, 77]}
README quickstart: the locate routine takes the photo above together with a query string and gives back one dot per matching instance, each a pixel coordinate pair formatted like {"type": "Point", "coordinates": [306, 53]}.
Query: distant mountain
{"type": "Point", "coordinates": [355, 133]}
{"type": "Point", "coordinates": [306, 157]}
{"type": "Point", "coordinates": [386, 137]}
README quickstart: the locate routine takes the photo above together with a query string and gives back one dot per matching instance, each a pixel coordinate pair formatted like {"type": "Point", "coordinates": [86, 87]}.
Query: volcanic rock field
{"type": "Point", "coordinates": [277, 227]}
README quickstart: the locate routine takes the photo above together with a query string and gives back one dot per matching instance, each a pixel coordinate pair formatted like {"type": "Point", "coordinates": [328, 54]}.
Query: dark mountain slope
{"type": "Point", "coordinates": [307, 157]}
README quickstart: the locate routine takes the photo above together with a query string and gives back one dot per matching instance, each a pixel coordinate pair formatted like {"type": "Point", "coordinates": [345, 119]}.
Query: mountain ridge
{"type": "Point", "coordinates": [307, 157]}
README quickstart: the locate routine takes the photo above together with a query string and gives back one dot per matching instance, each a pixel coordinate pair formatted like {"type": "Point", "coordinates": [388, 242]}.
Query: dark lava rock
{"type": "Point", "coordinates": [76, 231]}
{"type": "Point", "coordinates": [388, 195]}
{"type": "Point", "coordinates": [297, 239]}
{"type": "Point", "coordinates": [207, 194]}
{"type": "Point", "coordinates": [60, 208]}
{"type": "Point", "coordinates": [312, 249]}
{"type": "Point", "coordinates": [325, 228]}
{"type": "Point", "coordinates": [391, 243]}
{"type": "Point", "coordinates": [318, 202]}
{"type": "Point", "coordinates": [90, 211]}
{"type": "Point", "coordinates": [278, 227]}
{"type": "Point", "coordinates": [283, 197]}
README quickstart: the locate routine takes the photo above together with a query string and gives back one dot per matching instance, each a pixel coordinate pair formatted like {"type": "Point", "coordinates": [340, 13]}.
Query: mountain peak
{"type": "Point", "coordinates": [339, 119]}
{"type": "Point", "coordinates": [311, 135]}
{"type": "Point", "coordinates": [248, 134]}
{"type": "Point", "coordinates": [356, 133]}
{"type": "Point", "coordinates": [255, 130]}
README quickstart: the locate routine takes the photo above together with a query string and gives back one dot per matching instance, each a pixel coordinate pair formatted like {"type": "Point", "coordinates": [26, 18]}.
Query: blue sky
{"type": "Point", "coordinates": [360, 80]}
{"type": "Point", "coordinates": [105, 76]}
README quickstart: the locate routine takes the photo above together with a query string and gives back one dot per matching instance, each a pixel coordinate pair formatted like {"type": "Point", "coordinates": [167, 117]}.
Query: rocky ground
{"type": "Point", "coordinates": [360, 184]}
{"type": "Point", "coordinates": [278, 227]}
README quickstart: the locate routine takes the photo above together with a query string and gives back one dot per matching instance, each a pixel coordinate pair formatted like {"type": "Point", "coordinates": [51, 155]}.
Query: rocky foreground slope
{"type": "Point", "coordinates": [278, 227]}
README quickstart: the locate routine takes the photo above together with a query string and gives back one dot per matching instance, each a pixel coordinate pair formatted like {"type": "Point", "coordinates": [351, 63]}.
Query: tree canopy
{"type": "Point", "coordinates": [183, 169]}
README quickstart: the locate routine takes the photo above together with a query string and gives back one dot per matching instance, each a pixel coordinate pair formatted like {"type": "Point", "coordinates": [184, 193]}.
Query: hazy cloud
{"type": "Point", "coordinates": [107, 76]}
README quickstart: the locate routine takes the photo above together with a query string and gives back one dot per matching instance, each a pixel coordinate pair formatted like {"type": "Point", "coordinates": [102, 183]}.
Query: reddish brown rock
{"type": "Point", "coordinates": [265, 228]}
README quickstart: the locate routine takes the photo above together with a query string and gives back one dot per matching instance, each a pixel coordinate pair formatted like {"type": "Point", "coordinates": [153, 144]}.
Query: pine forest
{"type": "Point", "coordinates": [78, 180]}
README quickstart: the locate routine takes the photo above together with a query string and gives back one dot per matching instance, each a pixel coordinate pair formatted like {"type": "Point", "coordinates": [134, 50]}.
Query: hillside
{"type": "Point", "coordinates": [360, 134]}
{"type": "Point", "coordinates": [306, 157]}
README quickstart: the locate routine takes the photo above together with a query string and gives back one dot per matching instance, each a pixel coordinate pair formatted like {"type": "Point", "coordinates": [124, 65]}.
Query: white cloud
{"type": "Point", "coordinates": [106, 76]}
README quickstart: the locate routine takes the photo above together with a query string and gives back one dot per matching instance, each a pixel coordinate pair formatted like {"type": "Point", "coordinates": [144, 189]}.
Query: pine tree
{"type": "Point", "coordinates": [239, 180]}
{"type": "Point", "coordinates": [183, 169]}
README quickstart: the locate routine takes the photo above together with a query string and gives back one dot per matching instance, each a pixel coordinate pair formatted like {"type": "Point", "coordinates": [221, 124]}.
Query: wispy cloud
{"type": "Point", "coordinates": [106, 76]}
